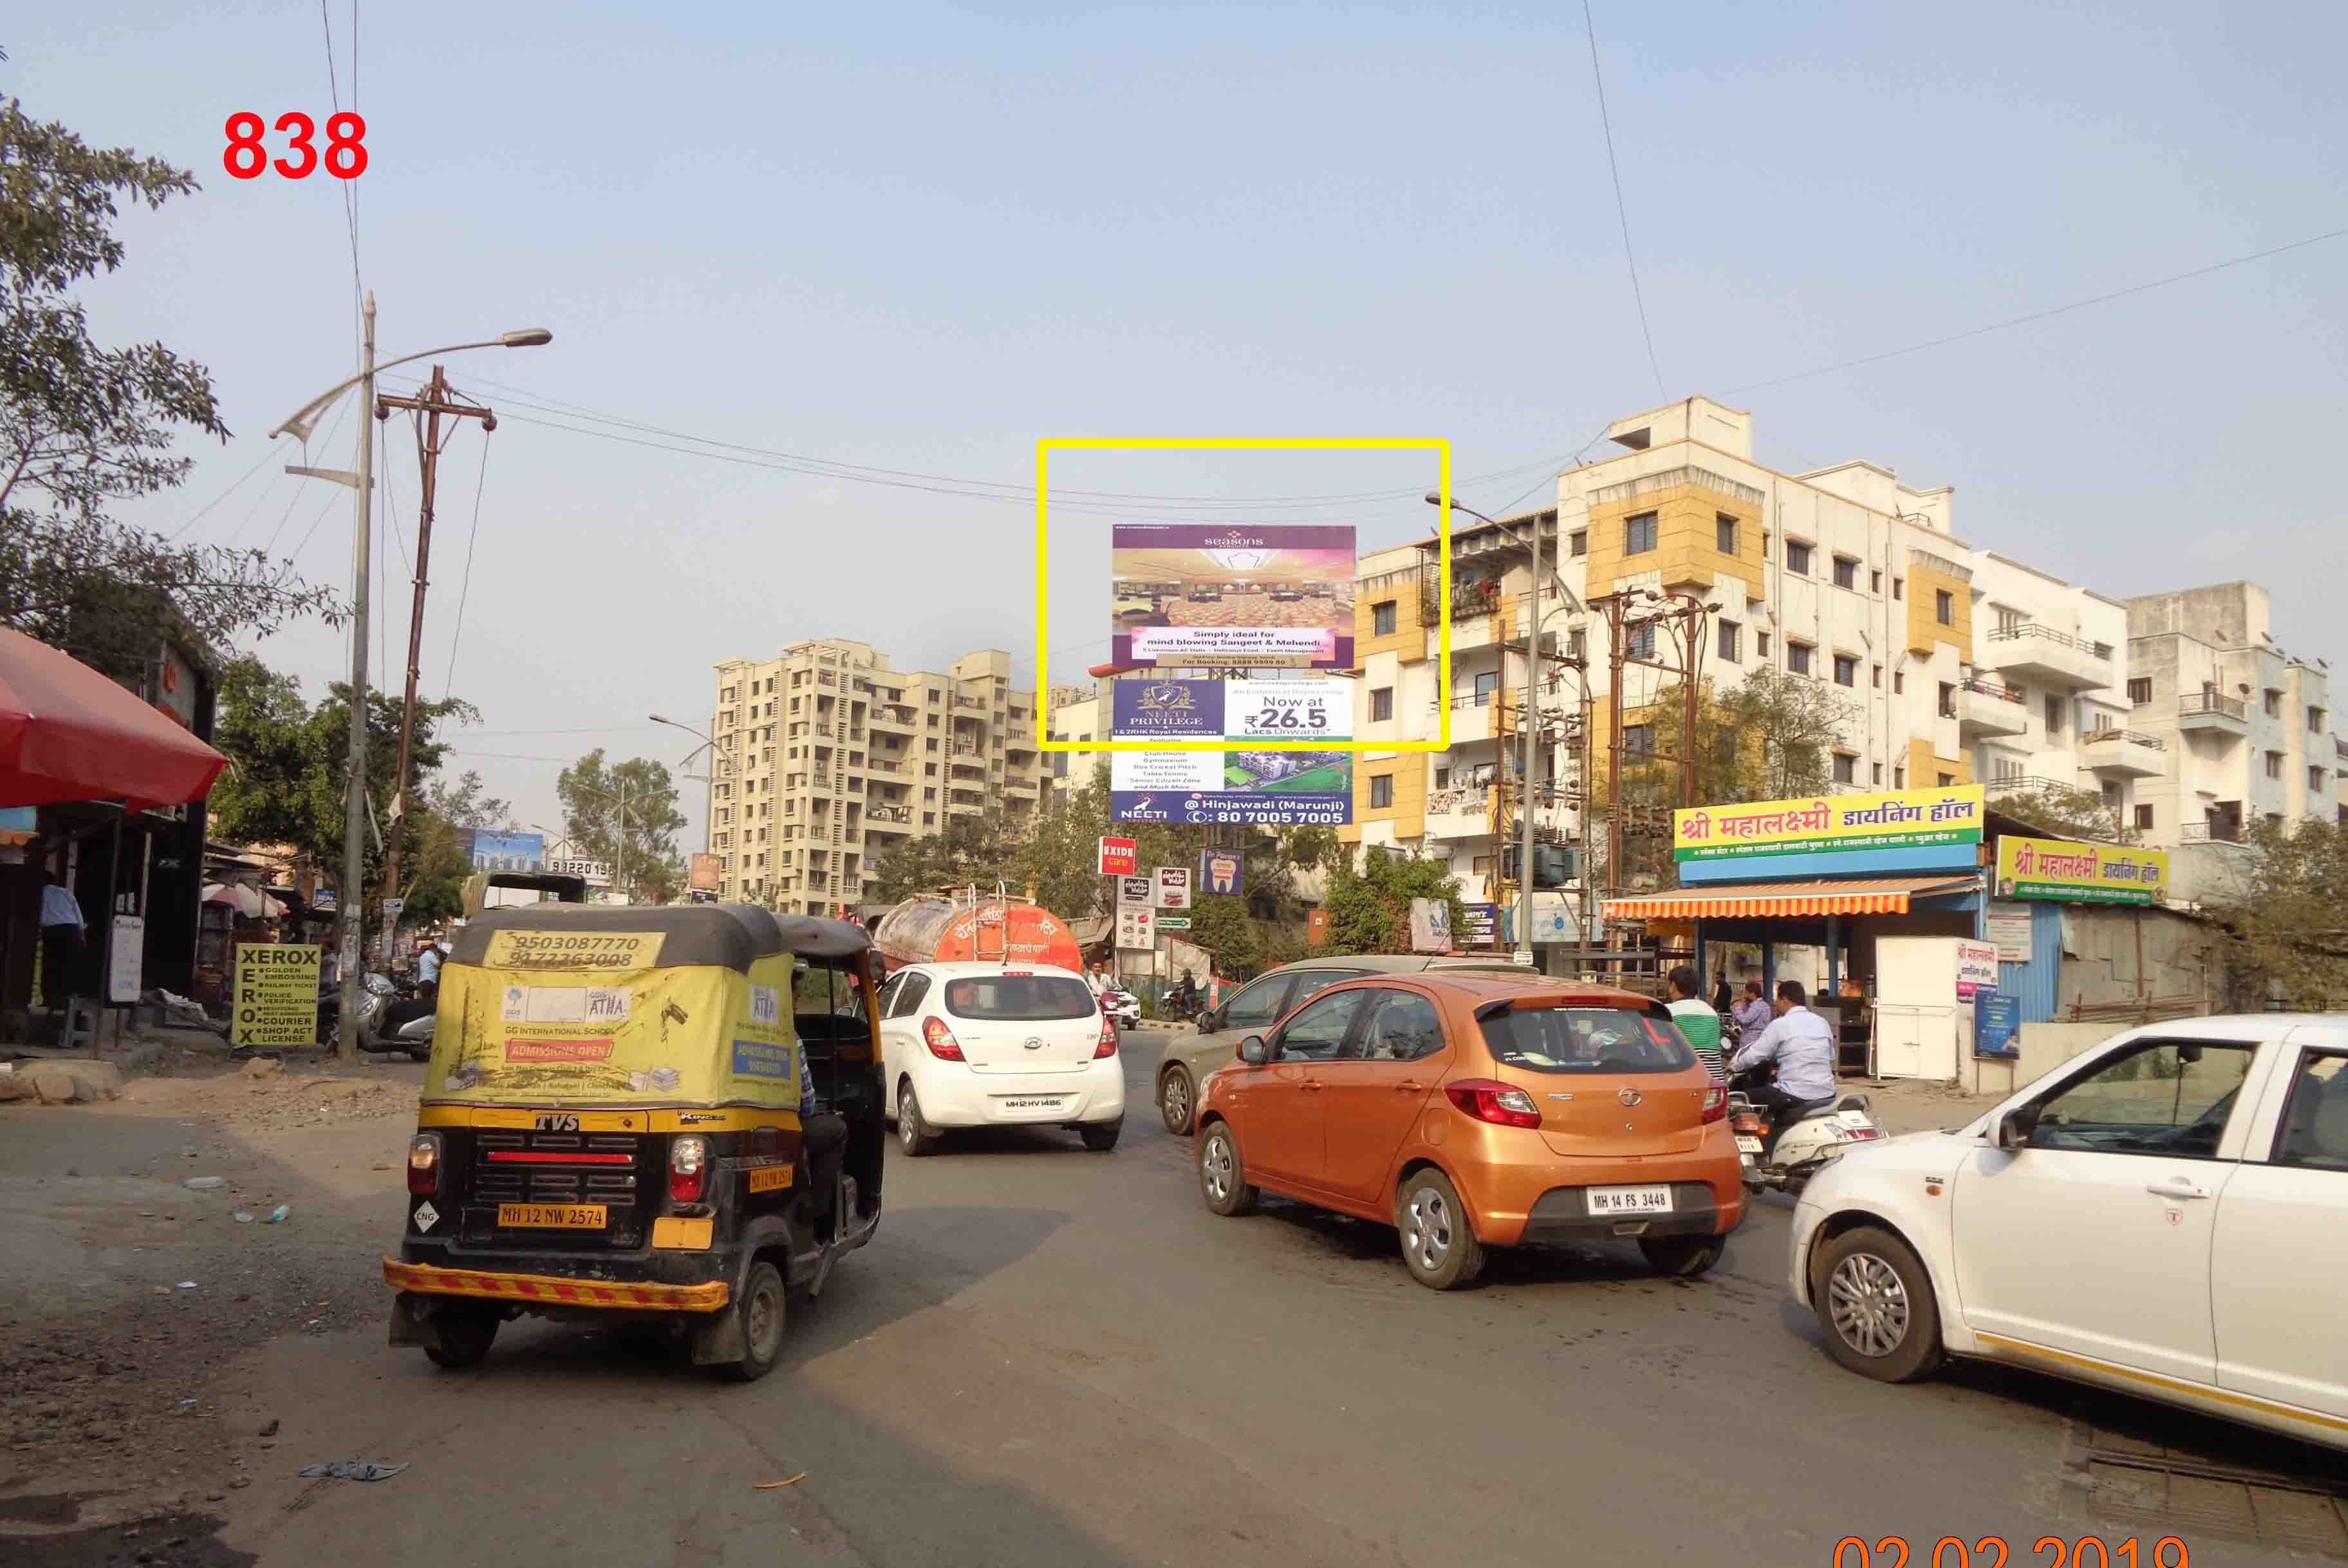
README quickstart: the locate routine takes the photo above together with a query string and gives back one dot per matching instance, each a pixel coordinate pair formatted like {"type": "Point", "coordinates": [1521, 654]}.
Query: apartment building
{"type": "Point", "coordinates": [1078, 714]}
{"type": "Point", "coordinates": [827, 756]}
{"type": "Point", "coordinates": [2244, 728]}
{"type": "Point", "coordinates": [1956, 664]}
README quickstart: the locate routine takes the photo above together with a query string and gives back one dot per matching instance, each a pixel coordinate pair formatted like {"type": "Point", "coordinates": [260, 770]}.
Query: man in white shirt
{"type": "Point", "coordinates": [428, 972]}
{"type": "Point", "coordinates": [62, 934]}
{"type": "Point", "coordinates": [1803, 1047]}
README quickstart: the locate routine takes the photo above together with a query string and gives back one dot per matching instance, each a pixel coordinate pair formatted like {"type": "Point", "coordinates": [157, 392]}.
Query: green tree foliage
{"type": "Point", "coordinates": [2057, 808]}
{"type": "Point", "coordinates": [83, 427]}
{"type": "Point", "coordinates": [287, 761]}
{"type": "Point", "coordinates": [437, 874]}
{"type": "Point", "coordinates": [2288, 920]}
{"type": "Point", "coordinates": [1369, 909]}
{"type": "Point", "coordinates": [976, 849]}
{"type": "Point", "coordinates": [637, 794]}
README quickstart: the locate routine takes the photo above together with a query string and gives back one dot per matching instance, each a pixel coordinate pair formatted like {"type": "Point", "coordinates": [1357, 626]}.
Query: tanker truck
{"type": "Point", "coordinates": [950, 928]}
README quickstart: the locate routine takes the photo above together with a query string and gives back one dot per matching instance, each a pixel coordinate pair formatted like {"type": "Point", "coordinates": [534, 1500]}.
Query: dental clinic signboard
{"type": "Point", "coordinates": [1897, 819]}
{"type": "Point", "coordinates": [2080, 873]}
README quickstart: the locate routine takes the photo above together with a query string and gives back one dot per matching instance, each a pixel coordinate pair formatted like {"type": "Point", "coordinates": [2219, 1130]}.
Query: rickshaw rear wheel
{"type": "Point", "coordinates": [762, 1309]}
{"type": "Point", "coordinates": [465, 1334]}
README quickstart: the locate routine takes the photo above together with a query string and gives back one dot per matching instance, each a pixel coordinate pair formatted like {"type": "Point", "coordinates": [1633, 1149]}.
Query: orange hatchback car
{"type": "Point", "coordinates": [1472, 1111]}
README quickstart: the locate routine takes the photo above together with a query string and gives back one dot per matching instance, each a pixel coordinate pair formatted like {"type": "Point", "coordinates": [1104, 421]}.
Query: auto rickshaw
{"type": "Point", "coordinates": [612, 1127]}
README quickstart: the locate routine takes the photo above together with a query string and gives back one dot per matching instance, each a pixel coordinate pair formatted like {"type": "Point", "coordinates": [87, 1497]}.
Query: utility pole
{"type": "Point", "coordinates": [1530, 794]}
{"type": "Point", "coordinates": [351, 899]}
{"type": "Point", "coordinates": [436, 400]}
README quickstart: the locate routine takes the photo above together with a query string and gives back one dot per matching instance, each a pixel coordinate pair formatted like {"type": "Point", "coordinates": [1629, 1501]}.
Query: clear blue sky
{"type": "Point", "coordinates": [918, 238]}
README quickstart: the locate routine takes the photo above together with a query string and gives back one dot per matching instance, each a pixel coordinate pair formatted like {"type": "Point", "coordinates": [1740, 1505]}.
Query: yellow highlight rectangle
{"type": "Point", "coordinates": [1436, 444]}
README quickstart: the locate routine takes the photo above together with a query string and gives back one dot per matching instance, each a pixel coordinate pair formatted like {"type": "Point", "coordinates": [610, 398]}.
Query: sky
{"type": "Point", "coordinates": [917, 239]}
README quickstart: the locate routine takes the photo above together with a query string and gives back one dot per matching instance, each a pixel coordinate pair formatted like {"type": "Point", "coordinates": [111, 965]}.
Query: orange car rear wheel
{"type": "Point", "coordinates": [1438, 1244]}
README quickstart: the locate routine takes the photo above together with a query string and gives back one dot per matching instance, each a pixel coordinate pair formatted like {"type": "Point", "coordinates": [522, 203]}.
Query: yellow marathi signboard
{"type": "Point", "coordinates": [276, 995]}
{"type": "Point", "coordinates": [1899, 819]}
{"type": "Point", "coordinates": [2080, 873]}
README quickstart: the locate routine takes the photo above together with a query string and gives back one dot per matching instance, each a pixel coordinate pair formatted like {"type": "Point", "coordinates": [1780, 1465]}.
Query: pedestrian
{"type": "Point", "coordinates": [1752, 1014]}
{"type": "Point", "coordinates": [428, 972]}
{"type": "Point", "coordinates": [1697, 1020]}
{"type": "Point", "coordinates": [1723, 1000]}
{"type": "Point", "coordinates": [62, 936]}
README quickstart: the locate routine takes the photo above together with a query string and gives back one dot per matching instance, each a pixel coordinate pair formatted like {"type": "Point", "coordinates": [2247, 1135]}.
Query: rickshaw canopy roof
{"type": "Point", "coordinates": [719, 935]}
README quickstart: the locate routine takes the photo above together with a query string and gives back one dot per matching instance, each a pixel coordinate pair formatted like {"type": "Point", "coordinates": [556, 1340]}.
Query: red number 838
{"type": "Point", "coordinates": [245, 158]}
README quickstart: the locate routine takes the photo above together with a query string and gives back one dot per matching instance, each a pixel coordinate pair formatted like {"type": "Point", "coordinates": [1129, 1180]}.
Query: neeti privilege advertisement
{"type": "Point", "coordinates": [1241, 597]}
{"type": "Point", "coordinates": [1278, 788]}
{"type": "Point", "coordinates": [1307, 708]}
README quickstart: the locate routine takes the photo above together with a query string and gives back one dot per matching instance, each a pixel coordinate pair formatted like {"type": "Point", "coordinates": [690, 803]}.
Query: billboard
{"type": "Point", "coordinates": [1186, 593]}
{"type": "Point", "coordinates": [492, 849]}
{"type": "Point", "coordinates": [2080, 873]}
{"type": "Point", "coordinates": [1306, 708]}
{"type": "Point", "coordinates": [702, 875]}
{"type": "Point", "coordinates": [1897, 819]}
{"type": "Point", "coordinates": [1277, 788]}
{"type": "Point", "coordinates": [1223, 872]}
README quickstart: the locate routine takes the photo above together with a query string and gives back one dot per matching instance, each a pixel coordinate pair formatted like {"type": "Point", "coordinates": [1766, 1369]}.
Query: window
{"type": "Point", "coordinates": [1382, 619]}
{"type": "Point", "coordinates": [1577, 645]}
{"type": "Point", "coordinates": [1798, 558]}
{"type": "Point", "coordinates": [2140, 689]}
{"type": "Point", "coordinates": [2315, 721]}
{"type": "Point", "coordinates": [1640, 643]}
{"type": "Point", "coordinates": [1944, 606]}
{"type": "Point", "coordinates": [1443, 778]}
{"type": "Point", "coordinates": [1948, 709]}
{"type": "Point", "coordinates": [1402, 1028]}
{"type": "Point", "coordinates": [1898, 682]}
{"type": "Point", "coordinates": [1761, 644]}
{"type": "Point", "coordinates": [1638, 739]}
{"type": "Point", "coordinates": [1846, 767]}
{"type": "Point", "coordinates": [2054, 706]}
{"type": "Point", "coordinates": [1945, 779]}
{"type": "Point", "coordinates": [1875, 676]}
{"type": "Point", "coordinates": [1798, 657]}
{"type": "Point", "coordinates": [1900, 776]}
{"type": "Point", "coordinates": [1487, 684]}
{"type": "Point", "coordinates": [1259, 1005]}
{"type": "Point", "coordinates": [1731, 635]}
{"type": "Point", "coordinates": [907, 1000]}
{"type": "Point", "coordinates": [1875, 581]}
{"type": "Point", "coordinates": [2314, 1131]}
{"type": "Point", "coordinates": [2274, 764]}
{"type": "Point", "coordinates": [1320, 1026]}
{"type": "Point", "coordinates": [1020, 998]}
{"type": "Point", "coordinates": [1900, 587]}
{"type": "Point", "coordinates": [2315, 778]}
{"type": "Point", "coordinates": [1481, 865]}
{"type": "Point", "coordinates": [2169, 1099]}
{"type": "Point", "coordinates": [1381, 791]}
{"type": "Point", "coordinates": [1846, 670]}
{"type": "Point", "coordinates": [1381, 703]}
{"type": "Point", "coordinates": [1723, 532]}
{"type": "Point", "coordinates": [1607, 1040]}
{"type": "Point", "coordinates": [1577, 544]}
{"type": "Point", "coordinates": [1845, 572]}
{"type": "Point", "coordinates": [1877, 774]}
{"type": "Point", "coordinates": [1639, 533]}
{"type": "Point", "coordinates": [1313, 982]}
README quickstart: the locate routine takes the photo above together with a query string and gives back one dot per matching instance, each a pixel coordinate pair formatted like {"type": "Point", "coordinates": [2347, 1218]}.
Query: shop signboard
{"type": "Point", "coordinates": [1482, 924]}
{"type": "Point", "coordinates": [1997, 1024]}
{"type": "Point", "coordinates": [2009, 931]}
{"type": "Point", "coordinates": [1222, 872]}
{"type": "Point", "coordinates": [1173, 887]}
{"type": "Point", "coordinates": [1133, 892]}
{"type": "Point", "coordinates": [2080, 873]}
{"type": "Point", "coordinates": [1116, 857]}
{"type": "Point", "coordinates": [1240, 596]}
{"type": "Point", "coordinates": [1136, 926]}
{"type": "Point", "coordinates": [276, 995]}
{"type": "Point", "coordinates": [1976, 968]}
{"type": "Point", "coordinates": [1897, 819]}
{"type": "Point", "coordinates": [124, 955]}
{"type": "Point", "coordinates": [594, 873]}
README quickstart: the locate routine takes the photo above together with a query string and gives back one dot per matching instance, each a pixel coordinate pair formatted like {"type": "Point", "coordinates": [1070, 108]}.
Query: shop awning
{"type": "Point", "coordinates": [68, 733]}
{"type": "Point", "coordinates": [1861, 895]}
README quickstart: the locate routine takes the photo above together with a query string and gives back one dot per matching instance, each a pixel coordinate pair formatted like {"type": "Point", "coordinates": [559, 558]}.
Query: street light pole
{"type": "Point", "coordinates": [708, 785]}
{"type": "Point", "coordinates": [351, 898]}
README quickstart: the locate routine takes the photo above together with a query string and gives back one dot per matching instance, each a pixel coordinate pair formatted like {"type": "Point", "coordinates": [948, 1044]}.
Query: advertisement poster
{"type": "Point", "coordinates": [1275, 787]}
{"type": "Point", "coordinates": [276, 995]}
{"type": "Point", "coordinates": [1264, 597]}
{"type": "Point", "coordinates": [1133, 892]}
{"type": "Point", "coordinates": [1976, 968]}
{"type": "Point", "coordinates": [1294, 709]}
{"type": "Point", "coordinates": [126, 954]}
{"type": "Point", "coordinates": [1482, 926]}
{"type": "Point", "coordinates": [1430, 925]}
{"type": "Point", "coordinates": [2009, 931]}
{"type": "Point", "coordinates": [1223, 872]}
{"type": "Point", "coordinates": [1116, 857]}
{"type": "Point", "coordinates": [1136, 926]}
{"type": "Point", "coordinates": [1897, 819]}
{"type": "Point", "coordinates": [1174, 887]}
{"type": "Point", "coordinates": [1997, 1024]}
{"type": "Point", "coordinates": [2080, 873]}
{"type": "Point", "coordinates": [489, 850]}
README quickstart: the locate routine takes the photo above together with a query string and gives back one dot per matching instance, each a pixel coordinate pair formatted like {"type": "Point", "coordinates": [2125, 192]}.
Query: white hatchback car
{"type": "Point", "coordinates": [991, 1045]}
{"type": "Point", "coordinates": [2166, 1214]}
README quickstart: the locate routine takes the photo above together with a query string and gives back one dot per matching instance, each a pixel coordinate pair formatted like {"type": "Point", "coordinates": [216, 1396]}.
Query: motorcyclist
{"type": "Point", "coordinates": [1186, 995]}
{"type": "Point", "coordinates": [1802, 1046]}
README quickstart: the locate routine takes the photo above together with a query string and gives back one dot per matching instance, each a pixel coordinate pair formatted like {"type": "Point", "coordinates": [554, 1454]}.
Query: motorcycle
{"type": "Point", "coordinates": [1176, 1010]}
{"type": "Point", "coordinates": [1122, 1006]}
{"type": "Point", "coordinates": [390, 1022]}
{"type": "Point", "coordinates": [1816, 1138]}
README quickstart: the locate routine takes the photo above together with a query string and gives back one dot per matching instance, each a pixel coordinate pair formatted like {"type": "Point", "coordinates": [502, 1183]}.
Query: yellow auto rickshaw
{"type": "Point", "coordinates": [626, 1118]}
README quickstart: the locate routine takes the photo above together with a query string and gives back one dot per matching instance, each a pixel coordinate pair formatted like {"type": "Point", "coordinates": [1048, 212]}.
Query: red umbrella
{"type": "Point", "coordinates": [68, 733]}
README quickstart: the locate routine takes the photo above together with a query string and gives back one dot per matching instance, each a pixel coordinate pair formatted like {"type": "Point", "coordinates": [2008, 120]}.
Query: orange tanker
{"type": "Point", "coordinates": [936, 929]}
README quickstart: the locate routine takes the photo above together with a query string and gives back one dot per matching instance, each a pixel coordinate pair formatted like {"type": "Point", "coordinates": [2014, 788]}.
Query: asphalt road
{"type": "Point", "coordinates": [1048, 1357]}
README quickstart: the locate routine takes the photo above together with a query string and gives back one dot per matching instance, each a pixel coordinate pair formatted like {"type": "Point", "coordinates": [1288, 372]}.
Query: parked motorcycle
{"type": "Point", "coordinates": [389, 1021]}
{"type": "Point", "coordinates": [1814, 1138]}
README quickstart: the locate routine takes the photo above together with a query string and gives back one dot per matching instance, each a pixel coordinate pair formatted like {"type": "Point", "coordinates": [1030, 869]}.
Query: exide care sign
{"type": "Point", "coordinates": [1116, 857]}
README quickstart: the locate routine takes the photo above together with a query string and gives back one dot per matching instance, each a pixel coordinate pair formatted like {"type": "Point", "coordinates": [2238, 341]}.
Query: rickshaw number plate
{"type": "Point", "coordinates": [549, 1216]}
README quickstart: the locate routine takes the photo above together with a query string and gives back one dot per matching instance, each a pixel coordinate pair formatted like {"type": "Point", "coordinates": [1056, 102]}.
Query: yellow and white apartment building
{"type": "Point", "coordinates": [827, 756]}
{"type": "Point", "coordinates": [1957, 663]}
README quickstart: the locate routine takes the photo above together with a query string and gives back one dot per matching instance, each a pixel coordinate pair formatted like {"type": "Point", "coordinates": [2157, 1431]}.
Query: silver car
{"type": "Point", "coordinates": [1263, 1002]}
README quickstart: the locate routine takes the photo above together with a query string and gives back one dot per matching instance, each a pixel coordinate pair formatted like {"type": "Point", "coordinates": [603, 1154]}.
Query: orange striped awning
{"type": "Point", "coordinates": [1861, 895]}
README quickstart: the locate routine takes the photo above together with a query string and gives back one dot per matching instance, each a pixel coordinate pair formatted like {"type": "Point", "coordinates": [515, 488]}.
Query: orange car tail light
{"type": "Point", "coordinates": [1503, 1105]}
{"type": "Point", "coordinates": [1716, 1104]}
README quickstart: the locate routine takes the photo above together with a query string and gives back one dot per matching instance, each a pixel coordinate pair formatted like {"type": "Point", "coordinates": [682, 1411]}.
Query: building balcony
{"type": "Point", "coordinates": [2041, 655]}
{"type": "Point", "coordinates": [1471, 721]}
{"type": "Point", "coordinates": [2123, 753]}
{"type": "Point", "coordinates": [1462, 812]}
{"type": "Point", "coordinates": [1990, 707]}
{"type": "Point", "coordinates": [2208, 712]}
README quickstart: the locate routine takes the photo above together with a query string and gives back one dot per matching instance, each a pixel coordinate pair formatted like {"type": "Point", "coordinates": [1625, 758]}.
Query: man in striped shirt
{"type": "Point", "coordinates": [1695, 1018]}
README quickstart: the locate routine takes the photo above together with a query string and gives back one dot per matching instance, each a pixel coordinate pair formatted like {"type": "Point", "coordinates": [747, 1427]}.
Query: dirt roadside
{"type": "Point", "coordinates": [130, 1292]}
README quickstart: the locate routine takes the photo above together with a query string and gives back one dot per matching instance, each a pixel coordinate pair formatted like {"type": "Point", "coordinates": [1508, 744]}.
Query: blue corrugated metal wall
{"type": "Point", "coordinates": [2038, 982]}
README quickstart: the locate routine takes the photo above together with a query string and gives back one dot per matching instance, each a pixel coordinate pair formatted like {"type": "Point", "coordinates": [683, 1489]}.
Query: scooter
{"type": "Point", "coordinates": [1814, 1139]}
{"type": "Point", "coordinates": [1123, 1008]}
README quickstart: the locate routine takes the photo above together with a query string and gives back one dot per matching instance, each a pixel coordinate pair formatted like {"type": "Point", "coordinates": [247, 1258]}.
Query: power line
{"type": "Point", "coordinates": [2038, 314]}
{"type": "Point", "coordinates": [456, 633]}
{"type": "Point", "coordinates": [1622, 213]}
{"type": "Point", "coordinates": [335, 96]}
{"type": "Point", "coordinates": [235, 485]}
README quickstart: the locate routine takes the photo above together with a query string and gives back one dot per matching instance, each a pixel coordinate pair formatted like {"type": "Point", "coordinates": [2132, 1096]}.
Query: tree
{"type": "Point", "coordinates": [288, 761]}
{"type": "Point", "coordinates": [2289, 921]}
{"type": "Point", "coordinates": [1369, 909]}
{"type": "Point", "coordinates": [2058, 808]}
{"type": "Point", "coordinates": [976, 849]}
{"type": "Point", "coordinates": [1783, 727]}
{"type": "Point", "coordinates": [1060, 864]}
{"type": "Point", "coordinates": [596, 800]}
{"type": "Point", "coordinates": [435, 887]}
{"type": "Point", "coordinates": [83, 427]}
